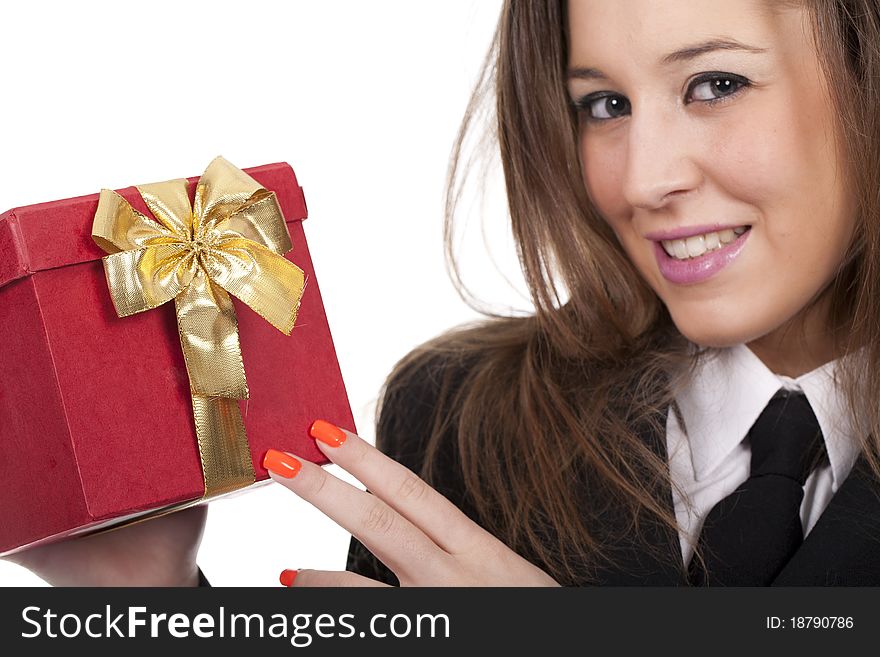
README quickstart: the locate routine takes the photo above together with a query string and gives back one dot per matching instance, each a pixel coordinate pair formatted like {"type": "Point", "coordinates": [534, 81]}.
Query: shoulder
{"type": "Point", "coordinates": [441, 401]}
{"type": "Point", "coordinates": [420, 397]}
{"type": "Point", "coordinates": [420, 404]}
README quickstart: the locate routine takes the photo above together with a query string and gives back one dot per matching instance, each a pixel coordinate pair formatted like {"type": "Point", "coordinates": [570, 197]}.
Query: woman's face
{"type": "Point", "coordinates": [700, 118]}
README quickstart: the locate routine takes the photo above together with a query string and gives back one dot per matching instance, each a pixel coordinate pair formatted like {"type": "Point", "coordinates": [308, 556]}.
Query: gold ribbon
{"type": "Point", "coordinates": [230, 240]}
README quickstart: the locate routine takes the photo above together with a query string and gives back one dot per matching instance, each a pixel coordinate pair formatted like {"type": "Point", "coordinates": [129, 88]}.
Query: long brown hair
{"type": "Point", "coordinates": [557, 402]}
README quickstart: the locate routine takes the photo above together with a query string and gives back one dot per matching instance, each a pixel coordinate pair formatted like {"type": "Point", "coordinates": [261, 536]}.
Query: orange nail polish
{"type": "Point", "coordinates": [327, 433]}
{"type": "Point", "coordinates": [287, 577]}
{"type": "Point", "coordinates": [281, 463]}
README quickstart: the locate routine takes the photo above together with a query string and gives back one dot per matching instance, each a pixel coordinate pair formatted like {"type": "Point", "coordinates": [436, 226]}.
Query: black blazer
{"type": "Point", "coordinates": [842, 549]}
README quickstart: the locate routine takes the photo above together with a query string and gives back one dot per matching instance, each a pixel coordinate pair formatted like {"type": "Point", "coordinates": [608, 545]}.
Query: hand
{"type": "Point", "coordinates": [157, 552]}
{"type": "Point", "coordinates": [414, 530]}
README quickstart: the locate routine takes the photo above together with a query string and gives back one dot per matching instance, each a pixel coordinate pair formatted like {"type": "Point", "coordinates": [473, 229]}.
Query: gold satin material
{"type": "Point", "coordinates": [230, 240]}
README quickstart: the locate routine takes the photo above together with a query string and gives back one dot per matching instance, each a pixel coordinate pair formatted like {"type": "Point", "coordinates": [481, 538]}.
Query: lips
{"type": "Point", "coordinates": [701, 268]}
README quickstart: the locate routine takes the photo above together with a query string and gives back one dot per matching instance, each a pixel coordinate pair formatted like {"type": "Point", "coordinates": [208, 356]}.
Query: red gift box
{"type": "Point", "coordinates": [96, 413]}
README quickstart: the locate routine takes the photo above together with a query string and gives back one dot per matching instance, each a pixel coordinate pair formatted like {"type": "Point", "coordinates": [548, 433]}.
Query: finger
{"type": "Point", "coordinates": [395, 541]}
{"type": "Point", "coordinates": [400, 487]}
{"type": "Point", "coordinates": [308, 577]}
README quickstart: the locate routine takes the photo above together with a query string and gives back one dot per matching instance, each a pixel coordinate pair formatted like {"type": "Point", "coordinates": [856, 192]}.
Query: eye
{"type": "Point", "coordinates": [714, 87]}
{"type": "Point", "coordinates": [602, 107]}
{"type": "Point", "coordinates": [717, 87]}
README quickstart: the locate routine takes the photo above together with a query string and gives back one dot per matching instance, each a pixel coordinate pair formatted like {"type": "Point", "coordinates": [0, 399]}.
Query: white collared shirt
{"type": "Point", "coordinates": [724, 400]}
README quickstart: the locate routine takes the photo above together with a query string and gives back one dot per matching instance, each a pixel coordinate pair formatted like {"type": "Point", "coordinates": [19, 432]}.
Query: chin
{"type": "Point", "coordinates": [715, 337]}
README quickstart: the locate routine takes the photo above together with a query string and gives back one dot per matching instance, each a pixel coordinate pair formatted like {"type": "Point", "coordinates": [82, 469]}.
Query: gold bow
{"type": "Point", "coordinates": [231, 239]}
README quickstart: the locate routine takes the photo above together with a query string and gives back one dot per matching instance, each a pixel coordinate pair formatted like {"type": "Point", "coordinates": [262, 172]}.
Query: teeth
{"type": "Point", "coordinates": [697, 245]}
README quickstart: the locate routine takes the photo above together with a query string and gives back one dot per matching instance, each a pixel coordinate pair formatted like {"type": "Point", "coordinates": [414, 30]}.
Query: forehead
{"type": "Point", "coordinates": [644, 31]}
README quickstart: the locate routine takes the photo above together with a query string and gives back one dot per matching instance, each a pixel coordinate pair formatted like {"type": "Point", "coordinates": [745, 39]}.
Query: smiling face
{"type": "Point", "coordinates": [736, 129]}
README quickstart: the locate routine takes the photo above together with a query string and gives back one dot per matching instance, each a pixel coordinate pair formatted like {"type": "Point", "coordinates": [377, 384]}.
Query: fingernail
{"type": "Point", "coordinates": [281, 464]}
{"type": "Point", "coordinates": [327, 433]}
{"type": "Point", "coordinates": [287, 577]}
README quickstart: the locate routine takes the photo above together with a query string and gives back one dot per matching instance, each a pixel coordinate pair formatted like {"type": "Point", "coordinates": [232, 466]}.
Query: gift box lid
{"type": "Point", "coordinates": [58, 233]}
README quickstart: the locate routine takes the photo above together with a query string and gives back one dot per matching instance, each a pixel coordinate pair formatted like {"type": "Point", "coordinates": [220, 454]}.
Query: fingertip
{"type": "Point", "coordinates": [287, 577]}
{"type": "Point", "coordinates": [281, 463]}
{"type": "Point", "coordinates": [327, 432]}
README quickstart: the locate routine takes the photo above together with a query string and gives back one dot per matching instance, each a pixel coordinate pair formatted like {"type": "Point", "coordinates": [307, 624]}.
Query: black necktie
{"type": "Point", "coordinates": [750, 535]}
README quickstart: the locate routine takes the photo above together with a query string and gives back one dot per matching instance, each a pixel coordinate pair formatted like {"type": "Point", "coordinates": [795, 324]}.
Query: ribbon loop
{"type": "Point", "coordinates": [169, 203]}
{"type": "Point", "coordinates": [145, 278]}
{"type": "Point", "coordinates": [222, 190]}
{"type": "Point", "coordinates": [119, 227]}
{"type": "Point", "coordinates": [261, 221]}
{"type": "Point", "coordinates": [264, 280]}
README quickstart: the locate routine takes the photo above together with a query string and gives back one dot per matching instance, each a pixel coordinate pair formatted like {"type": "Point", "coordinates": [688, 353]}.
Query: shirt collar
{"type": "Point", "coordinates": [732, 388]}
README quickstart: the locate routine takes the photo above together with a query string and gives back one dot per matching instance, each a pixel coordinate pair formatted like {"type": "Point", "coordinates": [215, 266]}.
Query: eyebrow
{"type": "Point", "coordinates": [683, 55]}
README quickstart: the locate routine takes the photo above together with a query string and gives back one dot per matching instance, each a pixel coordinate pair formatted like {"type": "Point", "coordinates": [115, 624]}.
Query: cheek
{"type": "Point", "coordinates": [769, 163]}
{"type": "Point", "coordinates": [604, 165]}
{"type": "Point", "coordinates": [782, 169]}
{"type": "Point", "coordinates": [746, 163]}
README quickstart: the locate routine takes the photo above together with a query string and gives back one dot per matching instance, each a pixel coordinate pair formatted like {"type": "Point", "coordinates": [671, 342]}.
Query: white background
{"type": "Point", "coordinates": [363, 99]}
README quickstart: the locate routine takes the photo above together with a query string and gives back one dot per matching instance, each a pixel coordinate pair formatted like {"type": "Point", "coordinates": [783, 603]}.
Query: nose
{"type": "Point", "coordinates": [661, 161]}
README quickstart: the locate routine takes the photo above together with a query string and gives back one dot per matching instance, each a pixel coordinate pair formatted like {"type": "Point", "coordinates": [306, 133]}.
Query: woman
{"type": "Point", "coordinates": [635, 137]}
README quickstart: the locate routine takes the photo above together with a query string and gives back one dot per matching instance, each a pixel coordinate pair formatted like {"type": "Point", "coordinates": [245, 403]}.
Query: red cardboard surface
{"type": "Point", "coordinates": [95, 410]}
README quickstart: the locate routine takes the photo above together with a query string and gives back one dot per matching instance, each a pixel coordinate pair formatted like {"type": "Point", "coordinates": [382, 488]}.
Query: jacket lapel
{"type": "Point", "coordinates": [659, 565]}
{"type": "Point", "coordinates": [843, 548]}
